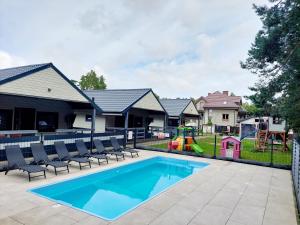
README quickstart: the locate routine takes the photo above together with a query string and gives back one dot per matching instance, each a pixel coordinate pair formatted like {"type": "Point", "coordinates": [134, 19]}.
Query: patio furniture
{"type": "Point", "coordinates": [117, 148]}
{"type": "Point", "coordinates": [83, 152]}
{"type": "Point", "coordinates": [16, 160]}
{"type": "Point", "coordinates": [41, 158]}
{"type": "Point", "coordinates": [100, 149]}
{"type": "Point", "coordinates": [64, 155]}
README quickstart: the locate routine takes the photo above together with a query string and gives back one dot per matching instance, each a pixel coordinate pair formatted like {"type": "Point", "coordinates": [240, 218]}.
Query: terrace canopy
{"type": "Point", "coordinates": [39, 97]}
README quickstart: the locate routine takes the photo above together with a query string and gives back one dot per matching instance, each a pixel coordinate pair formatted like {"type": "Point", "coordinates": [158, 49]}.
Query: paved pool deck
{"type": "Point", "coordinates": [222, 193]}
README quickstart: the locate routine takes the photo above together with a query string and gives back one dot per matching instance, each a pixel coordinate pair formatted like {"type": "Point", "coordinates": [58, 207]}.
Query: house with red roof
{"type": "Point", "coordinates": [221, 108]}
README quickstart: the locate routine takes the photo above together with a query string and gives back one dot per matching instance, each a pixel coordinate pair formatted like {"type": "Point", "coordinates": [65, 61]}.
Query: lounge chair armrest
{"type": "Point", "coordinates": [32, 163]}
{"type": "Point", "coordinates": [65, 159]}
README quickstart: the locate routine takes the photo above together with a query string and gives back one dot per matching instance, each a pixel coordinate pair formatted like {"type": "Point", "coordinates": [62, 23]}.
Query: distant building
{"type": "Point", "coordinates": [221, 109]}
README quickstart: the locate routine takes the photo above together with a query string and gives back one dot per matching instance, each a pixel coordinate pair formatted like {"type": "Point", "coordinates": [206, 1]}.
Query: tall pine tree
{"type": "Point", "coordinates": [275, 57]}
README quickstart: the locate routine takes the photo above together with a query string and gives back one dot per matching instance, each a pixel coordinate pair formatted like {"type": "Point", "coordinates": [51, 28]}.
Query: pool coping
{"type": "Point", "coordinates": [127, 211]}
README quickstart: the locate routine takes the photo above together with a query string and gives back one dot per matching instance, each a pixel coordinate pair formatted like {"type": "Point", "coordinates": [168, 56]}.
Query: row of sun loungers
{"type": "Point", "coordinates": [16, 159]}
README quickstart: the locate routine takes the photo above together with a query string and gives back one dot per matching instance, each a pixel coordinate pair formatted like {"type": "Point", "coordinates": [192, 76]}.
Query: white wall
{"type": "Point", "coordinates": [200, 105]}
{"type": "Point", "coordinates": [191, 109]}
{"type": "Point", "coordinates": [158, 121]}
{"type": "Point", "coordinates": [149, 102]}
{"type": "Point", "coordinates": [217, 117]}
{"type": "Point", "coordinates": [277, 127]}
{"type": "Point", "coordinates": [80, 121]}
{"type": "Point", "coordinates": [191, 121]}
{"type": "Point", "coordinates": [38, 85]}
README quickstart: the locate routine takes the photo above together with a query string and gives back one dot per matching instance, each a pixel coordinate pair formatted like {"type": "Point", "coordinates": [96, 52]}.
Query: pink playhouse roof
{"type": "Point", "coordinates": [231, 138]}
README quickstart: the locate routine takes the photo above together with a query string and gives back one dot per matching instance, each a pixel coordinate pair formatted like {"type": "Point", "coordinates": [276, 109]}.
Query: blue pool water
{"type": "Point", "coordinates": [111, 193]}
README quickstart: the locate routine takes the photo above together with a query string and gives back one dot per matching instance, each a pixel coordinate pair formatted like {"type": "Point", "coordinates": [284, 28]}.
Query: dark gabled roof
{"type": "Point", "coordinates": [116, 100]}
{"type": "Point", "coordinates": [175, 107]}
{"type": "Point", "coordinates": [10, 74]}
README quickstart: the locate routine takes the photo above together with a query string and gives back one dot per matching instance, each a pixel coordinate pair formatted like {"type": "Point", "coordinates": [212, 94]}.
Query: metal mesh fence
{"type": "Point", "coordinates": [274, 154]}
{"type": "Point", "coordinates": [296, 169]}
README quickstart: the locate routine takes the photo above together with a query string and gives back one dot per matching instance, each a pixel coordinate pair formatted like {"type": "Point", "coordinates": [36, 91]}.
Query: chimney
{"type": "Point", "coordinates": [225, 93]}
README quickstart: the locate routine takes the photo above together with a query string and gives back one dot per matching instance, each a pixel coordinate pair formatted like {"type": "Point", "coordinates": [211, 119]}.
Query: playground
{"type": "Point", "coordinates": [249, 150]}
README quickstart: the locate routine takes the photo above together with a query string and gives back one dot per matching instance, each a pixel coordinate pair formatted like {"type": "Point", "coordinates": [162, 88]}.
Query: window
{"type": "Point", "coordinates": [5, 119]}
{"type": "Point", "coordinates": [88, 118]}
{"type": "Point", "coordinates": [225, 117]}
{"type": "Point", "coordinates": [277, 120]}
{"type": "Point", "coordinates": [46, 121]}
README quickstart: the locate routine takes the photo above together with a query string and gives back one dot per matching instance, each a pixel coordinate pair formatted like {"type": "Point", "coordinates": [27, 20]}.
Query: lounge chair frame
{"type": "Point", "coordinates": [16, 160]}
{"type": "Point", "coordinates": [83, 152]}
{"type": "Point", "coordinates": [64, 155]}
{"type": "Point", "coordinates": [100, 149]}
{"type": "Point", "coordinates": [41, 158]}
{"type": "Point", "coordinates": [117, 147]}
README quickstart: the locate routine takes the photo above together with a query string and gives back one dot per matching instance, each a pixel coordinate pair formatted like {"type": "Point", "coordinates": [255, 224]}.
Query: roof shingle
{"type": "Point", "coordinates": [11, 73]}
{"type": "Point", "coordinates": [175, 107]}
{"type": "Point", "coordinates": [116, 100]}
{"type": "Point", "coordinates": [222, 100]}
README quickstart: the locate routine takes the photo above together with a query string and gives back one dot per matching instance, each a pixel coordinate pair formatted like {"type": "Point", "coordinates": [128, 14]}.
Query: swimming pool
{"type": "Point", "coordinates": [111, 193]}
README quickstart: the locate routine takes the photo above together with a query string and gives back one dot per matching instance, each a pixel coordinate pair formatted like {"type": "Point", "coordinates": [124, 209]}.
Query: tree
{"type": "Point", "coordinates": [91, 81]}
{"type": "Point", "coordinates": [156, 95]}
{"type": "Point", "coordinates": [75, 82]}
{"type": "Point", "coordinates": [275, 57]}
{"type": "Point", "coordinates": [251, 109]}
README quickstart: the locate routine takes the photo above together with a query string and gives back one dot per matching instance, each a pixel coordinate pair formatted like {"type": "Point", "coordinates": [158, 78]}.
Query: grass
{"type": "Point", "coordinates": [248, 150]}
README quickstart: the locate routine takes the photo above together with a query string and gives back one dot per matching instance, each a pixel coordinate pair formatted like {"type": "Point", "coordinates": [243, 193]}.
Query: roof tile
{"type": "Point", "coordinates": [175, 107]}
{"type": "Point", "coordinates": [6, 74]}
{"type": "Point", "coordinates": [116, 100]}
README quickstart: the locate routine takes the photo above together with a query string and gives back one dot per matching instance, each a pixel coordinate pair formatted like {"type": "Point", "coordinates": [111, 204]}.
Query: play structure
{"type": "Point", "coordinates": [231, 147]}
{"type": "Point", "coordinates": [271, 128]}
{"type": "Point", "coordinates": [263, 137]}
{"type": "Point", "coordinates": [263, 129]}
{"type": "Point", "coordinates": [184, 140]}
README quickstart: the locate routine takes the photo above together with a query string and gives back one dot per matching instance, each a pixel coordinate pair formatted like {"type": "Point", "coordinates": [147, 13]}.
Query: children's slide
{"type": "Point", "coordinates": [197, 148]}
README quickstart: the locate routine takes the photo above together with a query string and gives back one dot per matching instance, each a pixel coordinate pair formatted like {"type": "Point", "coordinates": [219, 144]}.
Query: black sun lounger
{"type": "Point", "coordinates": [64, 155]}
{"type": "Point", "coordinates": [83, 152]}
{"type": "Point", "coordinates": [16, 160]}
{"type": "Point", "coordinates": [41, 158]}
{"type": "Point", "coordinates": [100, 150]}
{"type": "Point", "coordinates": [117, 148]}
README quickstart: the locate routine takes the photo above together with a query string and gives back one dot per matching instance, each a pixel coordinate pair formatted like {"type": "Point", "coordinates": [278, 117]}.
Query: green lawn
{"type": "Point", "coordinates": [248, 150]}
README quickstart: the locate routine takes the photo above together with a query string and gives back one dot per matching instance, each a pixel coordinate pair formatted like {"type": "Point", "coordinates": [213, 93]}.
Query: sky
{"type": "Point", "coordinates": [178, 48]}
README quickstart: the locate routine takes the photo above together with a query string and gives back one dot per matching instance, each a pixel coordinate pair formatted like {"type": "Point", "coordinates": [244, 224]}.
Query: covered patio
{"type": "Point", "coordinates": [39, 97]}
{"type": "Point", "coordinates": [125, 109]}
{"type": "Point", "coordinates": [181, 112]}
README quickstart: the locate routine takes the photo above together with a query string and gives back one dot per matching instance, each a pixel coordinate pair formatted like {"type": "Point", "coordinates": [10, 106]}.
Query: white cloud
{"type": "Point", "coordinates": [7, 60]}
{"type": "Point", "coordinates": [179, 48]}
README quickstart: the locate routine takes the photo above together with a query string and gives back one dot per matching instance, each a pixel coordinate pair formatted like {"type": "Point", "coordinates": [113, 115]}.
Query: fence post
{"type": "Point", "coordinates": [92, 126]}
{"type": "Point", "coordinates": [171, 136]}
{"type": "Point", "coordinates": [41, 138]}
{"type": "Point", "coordinates": [215, 147]}
{"type": "Point", "coordinates": [125, 138]}
{"type": "Point", "coordinates": [134, 138]}
{"type": "Point", "coordinates": [272, 151]}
